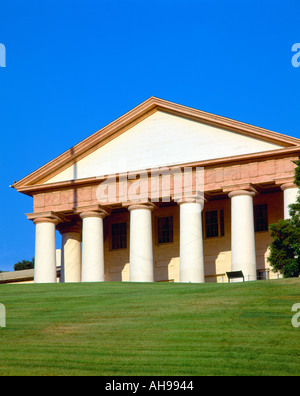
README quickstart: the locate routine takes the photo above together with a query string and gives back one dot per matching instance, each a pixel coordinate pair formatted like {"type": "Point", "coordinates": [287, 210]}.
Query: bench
{"type": "Point", "coordinates": [235, 275]}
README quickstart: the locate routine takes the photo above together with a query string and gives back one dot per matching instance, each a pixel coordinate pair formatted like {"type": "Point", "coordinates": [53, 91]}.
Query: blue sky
{"type": "Point", "coordinates": [74, 66]}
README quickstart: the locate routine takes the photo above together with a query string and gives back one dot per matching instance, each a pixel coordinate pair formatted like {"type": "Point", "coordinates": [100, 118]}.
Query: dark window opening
{"type": "Point", "coordinates": [119, 236]}
{"type": "Point", "coordinates": [214, 223]}
{"type": "Point", "coordinates": [261, 218]}
{"type": "Point", "coordinates": [165, 229]}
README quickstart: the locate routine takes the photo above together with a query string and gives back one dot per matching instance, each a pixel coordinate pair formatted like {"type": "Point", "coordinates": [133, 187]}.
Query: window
{"type": "Point", "coordinates": [261, 218]}
{"type": "Point", "coordinates": [222, 226]}
{"type": "Point", "coordinates": [214, 223]}
{"type": "Point", "coordinates": [263, 274]}
{"type": "Point", "coordinates": [119, 236]}
{"type": "Point", "coordinates": [164, 229]}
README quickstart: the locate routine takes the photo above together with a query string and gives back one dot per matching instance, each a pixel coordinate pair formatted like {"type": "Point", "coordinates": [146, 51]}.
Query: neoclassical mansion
{"type": "Point", "coordinates": [164, 193]}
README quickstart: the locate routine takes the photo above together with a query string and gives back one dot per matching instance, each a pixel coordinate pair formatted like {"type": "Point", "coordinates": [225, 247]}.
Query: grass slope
{"type": "Point", "coordinates": [150, 329]}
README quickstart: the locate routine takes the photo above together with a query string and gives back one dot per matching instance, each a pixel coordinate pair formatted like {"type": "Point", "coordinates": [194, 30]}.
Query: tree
{"type": "Point", "coordinates": [285, 248]}
{"type": "Point", "coordinates": [24, 264]}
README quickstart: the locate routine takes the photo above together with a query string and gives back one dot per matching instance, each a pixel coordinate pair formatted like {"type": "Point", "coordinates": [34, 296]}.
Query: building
{"type": "Point", "coordinates": [127, 227]}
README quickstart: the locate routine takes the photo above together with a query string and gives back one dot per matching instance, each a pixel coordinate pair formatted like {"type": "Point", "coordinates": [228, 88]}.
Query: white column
{"type": "Point", "coordinates": [191, 241]}
{"type": "Point", "coordinates": [71, 253]}
{"type": "Point", "coordinates": [290, 192]}
{"type": "Point", "coordinates": [92, 246]}
{"type": "Point", "coordinates": [141, 247]}
{"type": "Point", "coordinates": [45, 250]}
{"type": "Point", "coordinates": [243, 254]}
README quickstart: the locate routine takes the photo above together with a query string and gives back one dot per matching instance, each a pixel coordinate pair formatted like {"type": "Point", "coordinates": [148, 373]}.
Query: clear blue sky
{"type": "Point", "coordinates": [74, 66]}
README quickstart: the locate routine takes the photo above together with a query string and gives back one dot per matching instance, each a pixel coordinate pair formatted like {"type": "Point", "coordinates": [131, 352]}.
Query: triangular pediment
{"type": "Point", "coordinates": [162, 140]}
{"type": "Point", "coordinates": [157, 134]}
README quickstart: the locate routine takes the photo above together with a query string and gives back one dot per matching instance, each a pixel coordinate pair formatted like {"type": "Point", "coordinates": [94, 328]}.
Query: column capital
{"type": "Point", "coordinates": [99, 214]}
{"type": "Point", "coordinates": [285, 186]}
{"type": "Point", "coordinates": [237, 193]}
{"type": "Point", "coordinates": [199, 199]}
{"type": "Point", "coordinates": [142, 205]}
{"type": "Point", "coordinates": [40, 220]}
{"type": "Point", "coordinates": [44, 217]}
{"type": "Point", "coordinates": [239, 188]}
{"type": "Point", "coordinates": [92, 211]}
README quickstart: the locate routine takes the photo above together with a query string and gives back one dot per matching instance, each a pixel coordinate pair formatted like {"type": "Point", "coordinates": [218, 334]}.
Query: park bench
{"type": "Point", "coordinates": [235, 275]}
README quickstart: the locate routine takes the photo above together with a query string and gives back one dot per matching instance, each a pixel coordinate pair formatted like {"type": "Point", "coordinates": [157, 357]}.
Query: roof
{"type": "Point", "coordinates": [150, 106]}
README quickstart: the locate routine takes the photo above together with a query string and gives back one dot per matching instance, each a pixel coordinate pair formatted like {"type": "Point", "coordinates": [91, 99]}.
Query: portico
{"type": "Point", "coordinates": [135, 232]}
{"type": "Point", "coordinates": [87, 255]}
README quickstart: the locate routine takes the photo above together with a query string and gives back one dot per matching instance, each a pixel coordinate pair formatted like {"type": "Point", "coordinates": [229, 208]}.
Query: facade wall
{"type": "Point", "coordinates": [116, 261]}
{"type": "Point", "coordinates": [217, 250]}
{"type": "Point", "coordinates": [262, 175]}
{"type": "Point", "coordinates": [263, 239]}
{"type": "Point", "coordinates": [166, 256]}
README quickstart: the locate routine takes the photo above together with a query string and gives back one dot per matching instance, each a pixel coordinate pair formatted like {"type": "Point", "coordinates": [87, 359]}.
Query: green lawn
{"type": "Point", "coordinates": [150, 329]}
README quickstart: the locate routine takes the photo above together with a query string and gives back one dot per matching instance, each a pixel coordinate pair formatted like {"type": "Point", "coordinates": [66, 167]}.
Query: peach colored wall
{"type": "Point", "coordinates": [116, 261]}
{"type": "Point", "coordinates": [166, 256]}
{"type": "Point", "coordinates": [217, 251]}
{"type": "Point", "coordinates": [216, 179]}
{"type": "Point", "coordinates": [263, 239]}
{"type": "Point", "coordinates": [254, 172]}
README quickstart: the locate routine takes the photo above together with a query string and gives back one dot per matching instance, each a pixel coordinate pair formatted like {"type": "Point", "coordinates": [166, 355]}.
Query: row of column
{"type": "Point", "coordinates": [89, 266]}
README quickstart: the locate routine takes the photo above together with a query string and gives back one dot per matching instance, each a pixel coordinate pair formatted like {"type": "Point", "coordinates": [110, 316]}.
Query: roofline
{"type": "Point", "coordinates": [133, 117]}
